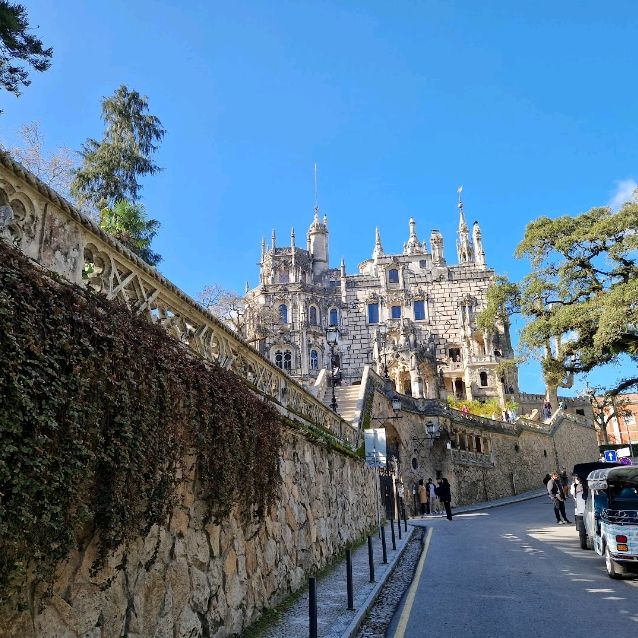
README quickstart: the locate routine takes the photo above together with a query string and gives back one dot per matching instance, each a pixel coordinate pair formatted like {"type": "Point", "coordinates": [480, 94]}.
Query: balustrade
{"type": "Point", "coordinates": [46, 228]}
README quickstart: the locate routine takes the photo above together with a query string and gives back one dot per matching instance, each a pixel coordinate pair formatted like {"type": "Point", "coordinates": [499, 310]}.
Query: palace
{"type": "Point", "coordinates": [410, 314]}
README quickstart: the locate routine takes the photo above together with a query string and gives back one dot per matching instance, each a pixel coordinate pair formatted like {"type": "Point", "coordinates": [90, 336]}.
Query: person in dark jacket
{"type": "Point", "coordinates": [445, 496]}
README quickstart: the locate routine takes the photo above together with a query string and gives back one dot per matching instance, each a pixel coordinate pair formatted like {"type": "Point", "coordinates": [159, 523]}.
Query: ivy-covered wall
{"type": "Point", "coordinates": [142, 486]}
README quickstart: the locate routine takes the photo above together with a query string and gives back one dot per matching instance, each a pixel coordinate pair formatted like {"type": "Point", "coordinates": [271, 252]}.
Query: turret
{"type": "Point", "coordinates": [318, 244]}
{"type": "Point", "coordinates": [479, 253]}
{"type": "Point", "coordinates": [413, 246]}
{"type": "Point", "coordinates": [273, 240]}
{"type": "Point", "coordinates": [343, 281]}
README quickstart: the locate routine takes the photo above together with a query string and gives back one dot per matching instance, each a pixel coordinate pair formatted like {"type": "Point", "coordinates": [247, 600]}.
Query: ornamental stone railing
{"type": "Point", "coordinates": [56, 235]}
{"type": "Point", "coordinates": [467, 457]}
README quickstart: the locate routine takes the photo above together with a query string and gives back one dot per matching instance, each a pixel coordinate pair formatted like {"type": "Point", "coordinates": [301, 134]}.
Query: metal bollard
{"type": "Point", "coordinates": [349, 579]}
{"type": "Point", "coordinates": [385, 549]}
{"type": "Point", "coordinates": [370, 559]}
{"type": "Point", "coordinates": [312, 606]}
{"type": "Point", "coordinates": [394, 542]}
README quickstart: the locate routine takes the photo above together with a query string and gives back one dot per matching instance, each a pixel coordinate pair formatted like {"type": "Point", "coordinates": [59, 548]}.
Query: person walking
{"type": "Point", "coordinates": [555, 491]}
{"type": "Point", "coordinates": [423, 497]}
{"type": "Point", "coordinates": [433, 498]}
{"type": "Point", "coordinates": [444, 493]}
{"type": "Point", "coordinates": [580, 498]}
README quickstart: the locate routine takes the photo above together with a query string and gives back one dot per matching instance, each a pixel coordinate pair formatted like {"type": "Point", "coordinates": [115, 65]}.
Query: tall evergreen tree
{"type": "Point", "coordinates": [18, 48]}
{"type": "Point", "coordinates": [111, 168]}
{"type": "Point", "coordinates": [128, 223]}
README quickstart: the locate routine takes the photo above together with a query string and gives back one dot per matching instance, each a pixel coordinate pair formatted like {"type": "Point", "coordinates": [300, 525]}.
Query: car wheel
{"type": "Point", "coordinates": [613, 569]}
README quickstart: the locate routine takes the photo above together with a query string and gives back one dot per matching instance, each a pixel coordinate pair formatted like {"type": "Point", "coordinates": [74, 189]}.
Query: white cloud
{"type": "Point", "coordinates": [623, 192]}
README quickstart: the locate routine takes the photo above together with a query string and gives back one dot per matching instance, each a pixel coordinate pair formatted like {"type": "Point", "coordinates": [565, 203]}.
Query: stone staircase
{"type": "Point", "coordinates": [346, 396]}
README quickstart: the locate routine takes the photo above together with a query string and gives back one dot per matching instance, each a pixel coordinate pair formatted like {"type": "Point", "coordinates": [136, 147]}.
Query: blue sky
{"type": "Point", "coordinates": [530, 105]}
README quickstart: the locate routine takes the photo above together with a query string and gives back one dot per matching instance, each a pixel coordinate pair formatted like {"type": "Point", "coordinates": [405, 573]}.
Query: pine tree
{"type": "Point", "coordinates": [111, 168]}
{"type": "Point", "coordinates": [128, 223]}
{"type": "Point", "coordinates": [18, 48]}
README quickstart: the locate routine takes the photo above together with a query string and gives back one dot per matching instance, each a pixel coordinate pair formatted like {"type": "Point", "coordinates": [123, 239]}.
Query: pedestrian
{"type": "Point", "coordinates": [555, 491]}
{"type": "Point", "coordinates": [401, 493]}
{"type": "Point", "coordinates": [547, 479]}
{"type": "Point", "coordinates": [464, 410]}
{"type": "Point", "coordinates": [445, 496]}
{"type": "Point", "coordinates": [564, 479]}
{"type": "Point", "coordinates": [547, 410]}
{"type": "Point", "coordinates": [423, 497]}
{"type": "Point", "coordinates": [579, 493]}
{"type": "Point", "coordinates": [433, 498]}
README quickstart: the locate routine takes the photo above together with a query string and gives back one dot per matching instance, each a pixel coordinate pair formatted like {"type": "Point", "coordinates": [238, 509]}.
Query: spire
{"type": "Point", "coordinates": [463, 245]}
{"type": "Point", "coordinates": [343, 267]}
{"type": "Point", "coordinates": [273, 237]}
{"type": "Point", "coordinates": [263, 249]}
{"type": "Point", "coordinates": [479, 253]}
{"type": "Point", "coordinates": [292, 238]}
{"type": "Point", "coordinates": [378, 248]}
{"type": "Point", "coordinates": [246, 287]}
{"type": "Point", "coordinates": [462, 224]}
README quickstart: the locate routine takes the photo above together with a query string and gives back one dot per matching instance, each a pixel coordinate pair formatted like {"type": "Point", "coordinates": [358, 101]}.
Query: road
{"type": "Point", "coordinates": [511, 571]}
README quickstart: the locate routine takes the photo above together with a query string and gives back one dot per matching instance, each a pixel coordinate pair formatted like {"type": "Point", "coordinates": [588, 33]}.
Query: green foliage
{"type": "Point", "coordinates": [487, 409]}
{"type": "Point", "coordinates": [111, 168]}
{"type": "Point", "coordinates": [580, 299]}
{"type": "Point", "coordinates": [19, 48]}
{"type": "Point", "coordinates": [502, 301]}
{"type": "Point", "coordinates": [128, 223]}
{"type": "Point", "coordinates": [99, 409]}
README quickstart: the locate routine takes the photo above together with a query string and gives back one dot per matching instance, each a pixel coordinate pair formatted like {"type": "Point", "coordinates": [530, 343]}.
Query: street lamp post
{"type": "Point", "coordinates": [383, 331]}
{"type": "Point", "coordinates": [332, 336]}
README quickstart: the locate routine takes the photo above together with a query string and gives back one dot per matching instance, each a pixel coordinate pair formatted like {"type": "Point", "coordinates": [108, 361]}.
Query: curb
{"type": "Point", "coordinates": [362, 612]}
{"type": "Point", "coordinates": [527, 496]}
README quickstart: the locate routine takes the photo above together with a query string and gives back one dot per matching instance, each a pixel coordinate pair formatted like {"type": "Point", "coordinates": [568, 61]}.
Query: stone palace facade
{"type": "Point", "coordinates": [411, 314]}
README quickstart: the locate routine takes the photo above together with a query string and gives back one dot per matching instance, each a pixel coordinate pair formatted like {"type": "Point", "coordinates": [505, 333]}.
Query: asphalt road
{"type": "Point", "coordinates": [512, 571]}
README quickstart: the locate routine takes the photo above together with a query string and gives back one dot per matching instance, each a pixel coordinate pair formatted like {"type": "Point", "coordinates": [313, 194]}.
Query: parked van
{"type": "Point", "coordinates": [611, 518]}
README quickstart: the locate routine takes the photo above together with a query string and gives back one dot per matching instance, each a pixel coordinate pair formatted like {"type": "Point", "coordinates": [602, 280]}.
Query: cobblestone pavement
{"type": "Point", "coordinates": [378, 619]}
{"type": "Point", "coordinates": [333, 618]}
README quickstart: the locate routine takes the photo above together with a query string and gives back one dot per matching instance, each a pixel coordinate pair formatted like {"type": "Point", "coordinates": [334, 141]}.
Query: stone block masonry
{"type": "Point", "coordinates": [193, 577]}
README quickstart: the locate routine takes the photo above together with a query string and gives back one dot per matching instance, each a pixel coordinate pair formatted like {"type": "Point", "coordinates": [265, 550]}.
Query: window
{"type": "Point", "coordinates": [334, 317]}
{"type": "Point", "coordinates": [314, 360]}
{"type": "Point", "coordinates": [419, 310]}
{"type": "Point", "coordinates": [483, 376]}
{"type": "Point", "coordinates": [283, 360]}
{"type": "Point", "coordinates": [283, 277]}
{"type": "Point", "coordinates": [283, 313]}
{"type": "Point", "coordinates": [373, 313]}
{"type": "Point", "coordinates": [396, 312]}
{"type": "Point", "coordinates": [393, 276]}
{"type": "Point", "coordinates": [423, 263]}
{"type": "Point", "coordinates": [313, 316]}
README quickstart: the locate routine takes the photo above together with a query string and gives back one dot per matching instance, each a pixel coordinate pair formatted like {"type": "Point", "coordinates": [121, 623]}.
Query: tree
{"type": "Point", "coordinates": [111, 168]}
{"type": "Point", "coordinates": [580, 299]}
{"type": "Point", "coordinates": [55, 169]}
{"type": "Point", "coordinates": [128, 223]}
{"type": "Point", "coordinates": [226, 305]}
{"type": "Point", "coordinates": [19, 48]}
{"type": "Point", "coordinates": [605, 407]}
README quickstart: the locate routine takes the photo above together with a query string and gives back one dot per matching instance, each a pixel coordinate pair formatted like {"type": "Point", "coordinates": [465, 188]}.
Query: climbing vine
{"type": "Point", "coordinates": [98, 410]}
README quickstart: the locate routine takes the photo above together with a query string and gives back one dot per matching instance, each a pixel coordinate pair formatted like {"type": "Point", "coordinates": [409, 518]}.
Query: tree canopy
{"type": "Point", "coordinates": [19, 48]}
{"type": "Point", "coordinates": [111, 168]}
{"type": "Point", "coordinates": [129, 224]}
{"type": "Point", "coordinates": [581, 298]}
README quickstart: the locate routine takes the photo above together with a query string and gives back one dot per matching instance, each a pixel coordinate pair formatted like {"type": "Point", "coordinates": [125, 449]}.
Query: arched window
{"type": "Point", "coordinates": [314, 360]}
{"type": "Point", "coordinates": [283, 313]}
{"type": "Point", "coordinates": [393, 276]}
{"type": "Point", "coordinates": [283, 359]}
{"type": "Point", "coordinates": [313, 316]}
{"type": "Point", "coordinates": [283, 277]}
{"type": "Point", "coordinates": [334, 317]}
{"type": "Point", "coordinates": [483, 376]}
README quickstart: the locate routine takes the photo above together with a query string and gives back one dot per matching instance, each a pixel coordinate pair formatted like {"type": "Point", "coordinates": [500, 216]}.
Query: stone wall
{"type": "Point", "coordinates": [483, 459]}
{"type": "Point", "coordinates": [193, 577]}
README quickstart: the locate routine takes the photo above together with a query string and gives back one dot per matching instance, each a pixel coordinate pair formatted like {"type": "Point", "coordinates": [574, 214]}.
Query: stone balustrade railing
{"type": "Point", "coordinates": [467, 457]}
{"type": "Point", "coordinates": [56, 235]}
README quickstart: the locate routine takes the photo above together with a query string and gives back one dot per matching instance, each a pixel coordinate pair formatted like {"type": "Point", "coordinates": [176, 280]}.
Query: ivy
{"type": "Point", "coordinates": [98, 410]}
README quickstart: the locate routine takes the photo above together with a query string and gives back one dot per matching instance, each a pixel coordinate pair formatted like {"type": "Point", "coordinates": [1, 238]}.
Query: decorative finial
{"type": "Point", "coordinates": [459, 190]}
{"type": "Point", "coordinates": [292, 237]}
{"type": "Point", "coordinates": [246, 287]}
{"type": "Point", "coordinates": [273, 237]}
